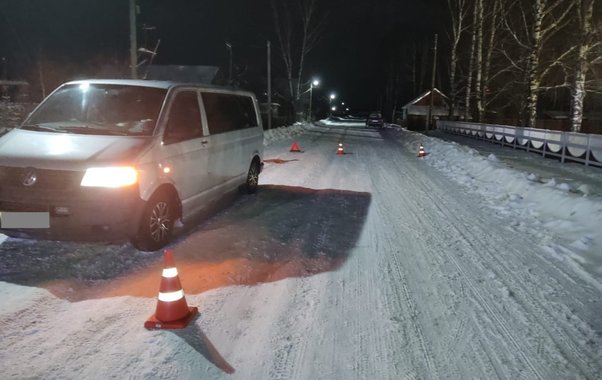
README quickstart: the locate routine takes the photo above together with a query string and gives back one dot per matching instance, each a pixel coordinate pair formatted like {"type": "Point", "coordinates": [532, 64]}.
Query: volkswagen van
{"type": "Point", "coordinates": [128, 158]}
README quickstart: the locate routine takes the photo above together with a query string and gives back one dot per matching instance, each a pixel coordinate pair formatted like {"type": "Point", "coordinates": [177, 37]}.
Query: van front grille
{"type": "Point", "coordinates": [14, 177]}
{"type": "Point", "coordinates": [22, 207]}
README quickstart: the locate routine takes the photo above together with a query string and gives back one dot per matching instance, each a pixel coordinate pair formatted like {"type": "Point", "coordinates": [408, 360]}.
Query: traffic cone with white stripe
{"type": "Point", "coordinates": [172, 310]}
{"type": "Point", "coordinates": [340, 150]}
{"type": "Point", "coordinates": [421, 152]}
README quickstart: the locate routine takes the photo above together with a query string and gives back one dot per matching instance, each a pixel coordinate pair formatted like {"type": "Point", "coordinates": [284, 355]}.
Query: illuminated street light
{"type": "Point", "coordinates": [331, 98]}
{"type": "Point", "coordinates": [314, 83]}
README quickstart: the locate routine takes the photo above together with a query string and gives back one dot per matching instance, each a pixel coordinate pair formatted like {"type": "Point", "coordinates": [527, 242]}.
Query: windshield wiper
{"type": "Point", "coordinates": [37, 127]}
{"type": "Point", "coordinates": [92, 130]}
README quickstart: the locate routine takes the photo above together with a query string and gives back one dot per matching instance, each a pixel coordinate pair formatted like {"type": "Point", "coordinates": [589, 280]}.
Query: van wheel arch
{"type": "Point", "coordinates": [252, 181]}
{"type": "Point", "coordinates": [156, 224]}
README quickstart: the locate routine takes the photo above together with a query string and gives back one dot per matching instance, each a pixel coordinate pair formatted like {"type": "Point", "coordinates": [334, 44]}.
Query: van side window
{"type": "Point", "coordinates": [229, 112]}
{"type": "Point", "coordinates": [184, 121]}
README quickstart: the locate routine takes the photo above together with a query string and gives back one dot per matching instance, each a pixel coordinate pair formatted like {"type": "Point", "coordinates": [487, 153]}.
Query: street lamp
{"type": "Point", "coordinates": [314, 83]}
{"type": "Point", "coordinates": [332, 97]}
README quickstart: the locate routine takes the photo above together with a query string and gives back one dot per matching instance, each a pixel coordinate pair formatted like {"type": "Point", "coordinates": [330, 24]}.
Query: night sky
{"type": "Point", "coordinates": [71, 36]}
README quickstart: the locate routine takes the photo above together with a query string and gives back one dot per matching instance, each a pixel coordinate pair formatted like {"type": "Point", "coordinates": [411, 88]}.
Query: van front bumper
{"type": "Point", "coordinates": [76, 214]}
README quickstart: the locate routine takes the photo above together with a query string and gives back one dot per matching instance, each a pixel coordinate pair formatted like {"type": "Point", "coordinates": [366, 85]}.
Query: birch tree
{"type": "Point", "coordinates": [588, 41]}
{"type": "Point", "coordinates": [458, 10]}
{"type": "Point", "coordinates": [473, 46]}
{"type": "Point", "coordinates": [549, 16]}
{"type": "Point", "coordinates": [493, 22]}
{"type": "Point", "coordinates": [479, 59]}
{"type": "Point", "coordinates": [298, 26]}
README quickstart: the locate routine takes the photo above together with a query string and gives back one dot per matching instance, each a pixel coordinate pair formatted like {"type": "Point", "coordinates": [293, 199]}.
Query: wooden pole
{"type": "Point", "coordinates": [133, 42]}
{"type": "Point", "coordinates": [429, 121]}
{"type": "Point", "coordinates": [269, 86]}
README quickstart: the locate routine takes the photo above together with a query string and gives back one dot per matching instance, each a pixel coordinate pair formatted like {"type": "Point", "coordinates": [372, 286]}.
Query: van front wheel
{"type": "Point", "coordinates": [253, 178]}
{"type": "Point", "coordinates": [156, 224]}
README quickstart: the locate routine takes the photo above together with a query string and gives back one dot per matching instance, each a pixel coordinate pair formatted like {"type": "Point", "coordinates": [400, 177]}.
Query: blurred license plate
{"type": "Point", "coordinates": [10, 219]}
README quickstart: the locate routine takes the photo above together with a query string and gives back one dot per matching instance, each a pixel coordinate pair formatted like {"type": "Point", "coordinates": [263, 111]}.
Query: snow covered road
{"type": "Point", "coordinates": [370, 265]}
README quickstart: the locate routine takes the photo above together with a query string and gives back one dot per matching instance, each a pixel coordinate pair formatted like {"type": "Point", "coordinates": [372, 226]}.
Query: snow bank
{"type": "Point", "coordinates": [282, 133]}
{"type": "Point", "coordinates": [572, 215]}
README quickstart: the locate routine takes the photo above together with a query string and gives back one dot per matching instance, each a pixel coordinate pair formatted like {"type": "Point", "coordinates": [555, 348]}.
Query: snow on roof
{"type": "Point", "coordinates": [165, 84]}
{"type": "Point", "coordinates": [422, 96]}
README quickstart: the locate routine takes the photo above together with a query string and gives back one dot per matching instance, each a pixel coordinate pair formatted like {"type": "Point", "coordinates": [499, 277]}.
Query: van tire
{"type": "Point", "coordinates": [252, 181]}
{"type": "Point", "coordinates": [157, 223]}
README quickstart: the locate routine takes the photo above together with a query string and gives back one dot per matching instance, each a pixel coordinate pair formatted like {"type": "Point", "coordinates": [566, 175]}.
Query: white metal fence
{"type": "Point", "coordinates": [579, 147]}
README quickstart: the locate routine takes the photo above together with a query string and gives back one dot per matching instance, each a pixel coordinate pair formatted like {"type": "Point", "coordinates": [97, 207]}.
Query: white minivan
{"type": "Point", "coordinates": [128, 157]}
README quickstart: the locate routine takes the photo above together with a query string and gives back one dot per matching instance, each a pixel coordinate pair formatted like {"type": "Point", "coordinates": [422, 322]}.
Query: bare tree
{"type": "Point", "coordinates": [473, 46]}
{"type": "Point", "coordinates": [284, 31]}
{"type": "Point", "coordinates": [549, 16]}
{"type": "Point", "coordinates": [458, 11]}
{"type": "Point", "coordinates": [312, 25]}
{"type": "Point", "coordinates": [587, 42]}
{"type": "Point", "coordinates": [298, 26]}
{"type": "Point", "coordinates": [479, 60]}
{"type": "Point", "coordinates": [493, 20]}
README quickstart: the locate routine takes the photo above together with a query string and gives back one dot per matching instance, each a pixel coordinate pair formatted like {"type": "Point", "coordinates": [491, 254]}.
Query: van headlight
{"type": "Point", "coordinates": [113, 177]}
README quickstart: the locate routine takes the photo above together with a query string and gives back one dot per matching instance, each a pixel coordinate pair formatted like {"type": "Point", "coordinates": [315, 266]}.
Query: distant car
{"type": "Point", "coordinates": [375, 119]}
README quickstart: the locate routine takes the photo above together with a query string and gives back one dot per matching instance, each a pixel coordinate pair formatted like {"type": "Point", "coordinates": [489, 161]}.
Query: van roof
{"type": "Point", "coordinates": [156, 84]}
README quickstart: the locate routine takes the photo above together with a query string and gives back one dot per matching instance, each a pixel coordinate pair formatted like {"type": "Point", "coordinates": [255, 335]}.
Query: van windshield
{"type": "Point", "coordinates": [99, 109]}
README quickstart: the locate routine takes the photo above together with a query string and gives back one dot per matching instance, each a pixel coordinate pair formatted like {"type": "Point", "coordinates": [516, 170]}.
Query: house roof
{"type": "Point", "coordinates": [423, 96]}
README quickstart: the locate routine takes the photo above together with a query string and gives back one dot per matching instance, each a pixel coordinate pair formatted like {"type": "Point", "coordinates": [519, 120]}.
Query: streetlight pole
{"type": "Point", "coordinates": [133, 42]}
{"type": "Point", "coordinates": [269, 85]}
{"type": "Point", "coordinates": [229, 46]}
{"type": "Point", "coordinates": [429, 121]}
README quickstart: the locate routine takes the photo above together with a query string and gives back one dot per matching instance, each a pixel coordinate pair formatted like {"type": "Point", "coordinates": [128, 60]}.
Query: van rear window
{"type": "Point", "coordinates": [228, 112]}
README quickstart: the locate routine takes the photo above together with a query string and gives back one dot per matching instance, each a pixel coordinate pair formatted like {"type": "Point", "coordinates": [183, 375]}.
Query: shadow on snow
{"type": "Point", "coordinates": [280, 232]}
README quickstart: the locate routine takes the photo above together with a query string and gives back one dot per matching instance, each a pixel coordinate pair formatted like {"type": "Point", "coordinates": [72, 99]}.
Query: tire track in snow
{"type": "Point", "coordinates": [383, 179]}
{"type": "Point", "coordinates": [290, 344]}
{"type": "Point", "coordinates": [482, 301]}
{"type": "Point", "coordinates": [566, 345]}
{"type": "Point", "coordinates": [476, 245]}
{"type": "Point", "coordinates": [421, 219]}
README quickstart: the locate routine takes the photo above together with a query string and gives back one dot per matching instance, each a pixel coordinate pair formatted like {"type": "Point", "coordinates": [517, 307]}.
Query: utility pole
{"type": "Point", "coordinates": [429, 121]}
{"type": "Point", "coordinates": [269, 86]}
{"type": "Point", "coordinates": [311, 91]}
{"type": "Point", "coordinates": [133, 42]}
{"type": "Point", "coordinates": [229, 46]}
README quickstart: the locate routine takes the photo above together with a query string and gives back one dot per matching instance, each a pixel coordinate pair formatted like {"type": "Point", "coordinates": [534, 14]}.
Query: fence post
{"type": "Point", "coordinates": [563, 146]}
{"type": "Point", "coordinates": [588, 149]}
{"type": "Point", "coordinates": [515, 137]}
{"type": "Point", "coordinates": [545, 142]}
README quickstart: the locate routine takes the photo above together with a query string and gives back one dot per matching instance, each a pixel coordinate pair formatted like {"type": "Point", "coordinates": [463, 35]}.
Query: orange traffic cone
{"type": "Point", "coordinates": [172, 311]}
{"type": "Point", "coordinates": [340, 150]}
{"type": "Point", "coordinates": [421, 152]}
{"type": "Point", "coordinates": [295, 148]}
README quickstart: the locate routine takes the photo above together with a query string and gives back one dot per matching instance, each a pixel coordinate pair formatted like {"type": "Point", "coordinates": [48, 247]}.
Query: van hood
{"type": "Point", "coordinates": [67, 151]}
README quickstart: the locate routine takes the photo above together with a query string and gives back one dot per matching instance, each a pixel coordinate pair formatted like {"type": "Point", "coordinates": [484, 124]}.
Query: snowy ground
{"type": "Point", "coordinates": [375, 264]}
